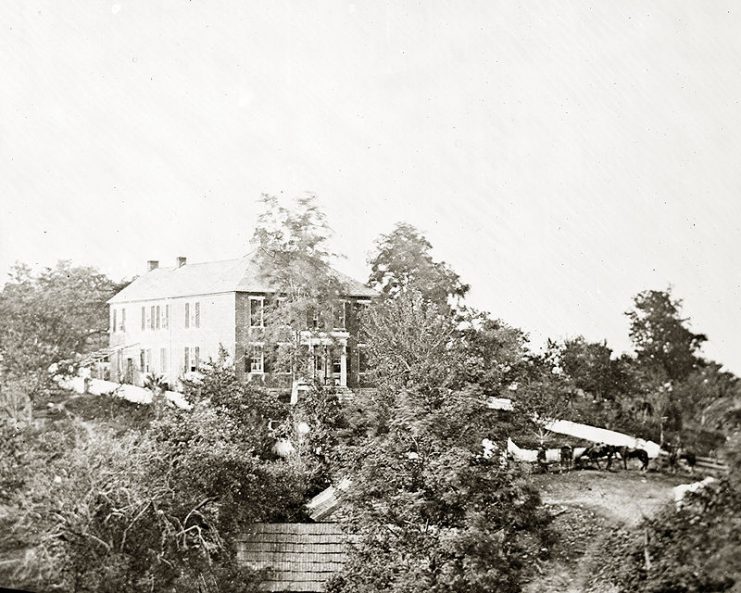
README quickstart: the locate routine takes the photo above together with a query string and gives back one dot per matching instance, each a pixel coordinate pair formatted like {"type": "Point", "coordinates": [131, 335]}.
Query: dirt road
{"type": "Point", "coordinates": [588, 505]}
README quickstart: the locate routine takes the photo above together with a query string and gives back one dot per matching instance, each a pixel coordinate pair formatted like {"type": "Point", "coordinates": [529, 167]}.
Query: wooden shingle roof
{"type": "Point", "coordinates": [234, 275]}
{"type": "Point", "coordinates": [300, 556]}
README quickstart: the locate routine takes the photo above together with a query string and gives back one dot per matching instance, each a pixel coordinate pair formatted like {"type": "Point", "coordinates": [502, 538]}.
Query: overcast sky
{"type": "Point", "coordinates": [561, 156]}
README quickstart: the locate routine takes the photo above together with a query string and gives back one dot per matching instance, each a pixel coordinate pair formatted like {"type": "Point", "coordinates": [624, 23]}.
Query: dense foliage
{"type": "Point", "coordinates": [434, 512]}
{"type": "Point", "coordinates": [100, 509]}
{"type": "Point", "coordinates": [403, 262]}
{"type": "Point", "coordinates": [695, 549]}
{"type": "Point", "coordinates": [48, 317]}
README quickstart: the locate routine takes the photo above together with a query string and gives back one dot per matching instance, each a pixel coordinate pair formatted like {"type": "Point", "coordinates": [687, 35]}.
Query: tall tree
{"type": "Point", "coordinates": [403, 261]}
{"type": "Point", "coordinates": [661, 336]}
{"type": "Point", "coordinates": [294, 258]}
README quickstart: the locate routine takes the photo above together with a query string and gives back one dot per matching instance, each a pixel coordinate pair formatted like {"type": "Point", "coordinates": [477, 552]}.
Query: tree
{"type": "Point", "coordinates": [410, 343]}
{"type": "Point", "coordinates": [544, 394]}
{"type": "Point", "coordinates": [592, 367]}
{"type": "Point", "coordinates": [432, 511]}
{"type": "Point", "coordinates": [492, 353]}
{"type": "Point", "coordinates": [48, 317]}
{"type": "Point", "coordinates": [662, 341]}
{"type": "Point", "coordinates": [403, 262]}
{"type": "Point", "coordinates": [293, 257]}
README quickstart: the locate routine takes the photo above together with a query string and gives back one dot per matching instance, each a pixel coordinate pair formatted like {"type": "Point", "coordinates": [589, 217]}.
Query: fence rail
{"type": "Point", "coordinates": [704, 464]}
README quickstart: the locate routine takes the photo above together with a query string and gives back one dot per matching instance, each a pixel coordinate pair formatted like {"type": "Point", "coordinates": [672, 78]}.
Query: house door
{"type": "Point", "coordinates": [320, 364]}
{"type": "Point", "coordinates": [129, 377]}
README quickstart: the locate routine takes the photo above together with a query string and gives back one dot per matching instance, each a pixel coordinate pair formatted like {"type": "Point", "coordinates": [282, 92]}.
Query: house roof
{"type": "Point", "coordinates": [299, 556]}
{"type": "Point", "coordinates": [326, 502]}
{"type": "Point", "coordinates": [232, 275]}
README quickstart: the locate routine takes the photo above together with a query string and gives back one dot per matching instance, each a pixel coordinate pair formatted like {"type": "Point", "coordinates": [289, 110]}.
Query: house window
{"type": "Point", "coordinates": [113, 325]}
{"type": "Point", "coordinates": [158, 317]}
{"type": "Point", "coordinates": [187, 315]}
{"type": "Point", "coordinates": [144, 318]}
{"type": "Point", "coordinates": [148, 361]}
{"type": "Point", "coordinates": [151, 317]}
{"type": "Point", "coordinates": [256, 360]}
{"type": "Point", "coordinates": [123, 319]}
{"type": "Point", "coordinates": [256, 311]}
{"type": "Point", "coordinates": [166, 320]}
{"type": "Point", "coordinates": [163, 361]}
{"type": "Point", "coordinates": [142, 360]}
{"type": "Point", "coordinates": [191, 358]}
{"type": "Point", "coordinates": [198, 314]}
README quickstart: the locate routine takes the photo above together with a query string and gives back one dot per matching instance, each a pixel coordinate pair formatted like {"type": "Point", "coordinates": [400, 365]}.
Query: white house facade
{"type": "Point", "coordinates": [170, 320]}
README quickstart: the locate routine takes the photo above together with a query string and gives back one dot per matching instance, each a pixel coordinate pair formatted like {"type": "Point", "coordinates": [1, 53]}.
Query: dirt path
{"type": "Point", "coordinates": [588, 505]}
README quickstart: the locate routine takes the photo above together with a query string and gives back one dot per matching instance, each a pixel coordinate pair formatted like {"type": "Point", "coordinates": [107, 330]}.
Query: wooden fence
{"type": "Point", "coordinates": [705, 465]}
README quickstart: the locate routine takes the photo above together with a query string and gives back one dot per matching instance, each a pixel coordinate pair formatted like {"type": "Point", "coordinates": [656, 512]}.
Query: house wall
{"type": "Point", "coordinates": [246, 335]}
{"type": "Point", "coordinates": [215, 327]}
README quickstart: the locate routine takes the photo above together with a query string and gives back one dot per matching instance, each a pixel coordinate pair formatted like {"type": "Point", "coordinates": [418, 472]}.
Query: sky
{"type": "Point", "coordinates": [560, 156]}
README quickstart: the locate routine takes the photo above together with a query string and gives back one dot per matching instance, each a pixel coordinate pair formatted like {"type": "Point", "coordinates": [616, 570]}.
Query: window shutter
{"type": "Point", "coordinates": [158, 316]}
{"type": "Point", "coordinates": [198, 314]}
{"type": "Point", "coordinates": [123, 319]}
{"type": "Point", "coordinates": [163, 361]}
{"type": "Point", "coordinates": [144, 318]}
{"type": "Point", "coordinates": [186, 361]}
{"type": "Point", "coordinates": [151, 317]}
{"type": "Point", "coordinates": [187, 315]}
{"type": "Point", "coordinates": [113, 325]}
{"type": "Point", "coordinates": [167, 316]}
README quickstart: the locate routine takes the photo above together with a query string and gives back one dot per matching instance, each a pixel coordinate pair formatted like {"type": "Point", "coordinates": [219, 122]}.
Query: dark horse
{"type": "Point", "coordinates": [628, 453]}
{"type": "Point", "coordinates": [676, 455]}
{"type": "Point", "coordinates": [596, 452]}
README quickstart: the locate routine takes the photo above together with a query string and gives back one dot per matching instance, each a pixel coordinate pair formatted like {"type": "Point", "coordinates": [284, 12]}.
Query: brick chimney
{"type": "Point", "coordinates": [181, 261]}
{"type": "Point", "coordinates": [152, 264]}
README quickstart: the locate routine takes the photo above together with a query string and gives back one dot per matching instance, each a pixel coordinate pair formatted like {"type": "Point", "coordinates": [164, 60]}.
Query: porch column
{"type": "Point", "coordinates": [343, 366]}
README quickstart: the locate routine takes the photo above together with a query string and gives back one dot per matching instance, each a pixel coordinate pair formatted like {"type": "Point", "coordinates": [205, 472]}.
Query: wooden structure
{"type": "Point", "coordinates": [299, 557]}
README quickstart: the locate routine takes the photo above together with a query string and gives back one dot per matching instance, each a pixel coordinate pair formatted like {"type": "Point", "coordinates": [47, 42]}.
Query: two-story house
{"type": "Point", "coordinates": [170, 320]}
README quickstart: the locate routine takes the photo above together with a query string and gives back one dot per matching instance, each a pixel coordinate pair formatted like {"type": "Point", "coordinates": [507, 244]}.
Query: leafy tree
{"type": "Point", "coordinates": [49, 317]}
{"type": "Point", "coordinates": [543, 395]}
{"type": "Point", "coordinates": [432, 512]}
{"type": "Point", "coordinates": [492, 354]}
{"type": "Point", "coordinates": [663, 342]}
{"type": "Point", "coordinates": [294, 259]}
{"type": "Point", "coordinates": [403, 262]}
{"type": "Point", "coordinates": [592, 367]}
{"type": "Point", "coordinates": [410, 343]}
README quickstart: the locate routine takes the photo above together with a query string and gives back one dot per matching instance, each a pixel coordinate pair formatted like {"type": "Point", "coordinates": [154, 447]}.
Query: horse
{"type": "Point", "coordinates": [628, 453]}
{"type": "Point", "coordinates": [567, 457]}
{"type": "Point", "coordinates": [596, 452]}
{"type": "Point", "coordinates": [677, 454]}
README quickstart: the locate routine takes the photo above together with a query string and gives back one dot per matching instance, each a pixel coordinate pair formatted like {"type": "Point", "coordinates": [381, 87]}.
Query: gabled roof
{"type": "Point", "coordinates": [299, 556]}
{"type": "Point", "coordinates": [232, 275]}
